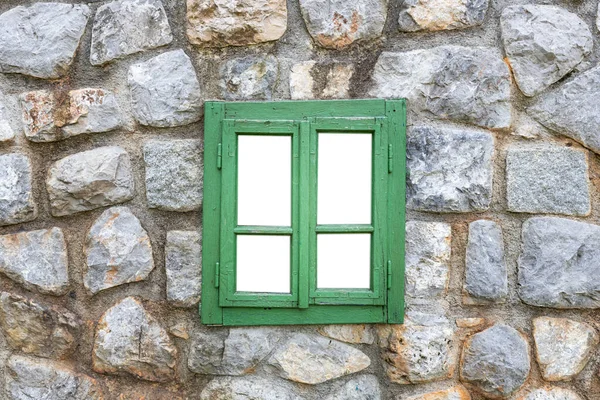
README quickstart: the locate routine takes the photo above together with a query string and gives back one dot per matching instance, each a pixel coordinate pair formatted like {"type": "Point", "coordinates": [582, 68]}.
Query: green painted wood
{"type": "Point", "coordinates": [210, 311]}
{"type": "Point", "coordinates": [384, 302]}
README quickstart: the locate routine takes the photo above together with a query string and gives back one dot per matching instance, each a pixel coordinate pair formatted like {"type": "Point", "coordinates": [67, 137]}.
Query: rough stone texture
{"type": "Point", "coordinates": [33, 378]}
{"type": "Point", "coordinates": [338, 82]}
{"type": "Point", "coordinates": [51, 116]}
{"type": "Point", "coordinates": [130, 341]}
{"type": "Point", "coordinates": [183, 263]}
{"type": "Point", "coordinates": [41, 40]}
{"type": "Point", "coordinates": [427, 258]}
{"type": "Point", "coordinates": [235, 23]}
{"type": "Point", "coordinates": [572, 109]}
{"type": "Point", "coordinates": [462, 84]}
{"type": "Point", "coordinates": [174, 174]}
{"type": "Point", "coordinates": [454, 393]}
{"type": "Point", "coordinates": [551, 393]}
{"type": "Point", "coordinates": [549, 180]}
{"type": "Point", "coordinates": [543, 44]}
{"type": "Point", "coordinates": [496, 361]}
{"type": "Point", "coordinates": [165, 91]}
{"type": "Point", "coordinates": [563, 347]}
{"type": "Point", "coordinates": [117, 251]}
{"type": "Point", "coordinates": [126, 27]}
{"type": "Point", "coordinates": [364, 387]}
{"type": "Point", "coordinates": [6, 132]}
{"type": "Point", "coordinates": [419, 351]}
{"type": "Point", "coordinates": [559, 263]}
{"type": "Point", "coordinates": [449, 170]}
{"type": "Point", "coordinates": [438, 15]}
{"type": "Point", "coordinates": [89, 180]}
{"type": "Point", "coordinates": [17, 204]}
{"type": "Point", "coordinates": [248, 388]}
{"type": "Point", "coordinates": [335, 24]}
{"type": "Point", "coordinates": [249, 78]}
{"type": "Point", "coordinates": [486, 275]}
{"type": "Point", "coordinates": [235, 353]}
{"type": "Point", "coordinates": [337, 78]}
{"type": "Point", "coordinates": [301, 81]}
{"type": "Point", "coordinates": [349, 333]}
{"type": "Point", "coordinates": [37, 260]}
{"type": "Point", "coordinates": [313, 359]}
{"type": "Point", "coordinates": [37, 329]}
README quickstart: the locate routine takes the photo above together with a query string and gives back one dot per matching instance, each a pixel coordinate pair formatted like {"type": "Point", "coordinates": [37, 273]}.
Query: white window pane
{"type": "Point", "coordinates": [344, 180]}
{"type": "Point", "coordinates": [264, 180]}
{"type": "Point", "coordinates": [343, 261]}
{"type": "Point", "coordinates": [263, 264]}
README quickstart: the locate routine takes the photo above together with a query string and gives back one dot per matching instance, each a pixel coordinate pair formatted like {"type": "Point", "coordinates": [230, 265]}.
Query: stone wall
{"type": "Point", "coordinates": [100, 196]}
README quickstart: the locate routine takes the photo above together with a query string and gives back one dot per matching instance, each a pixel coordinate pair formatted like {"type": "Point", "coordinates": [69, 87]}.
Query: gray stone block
{"type": "Point", "coordinates": [184, 268]}
{"type": "Point", "coordinates": [457, 83]}
{"type": "Point", "coordinates": [89, 180]}
{"type": "Point", "coordinates": [16, 195]}
{"type": "Point", "coordinates": [572, 109]}
{"type": "Point", "coordinates": [117, 251]}
{"type": "Point", "coordinates": [126, 27]}
{"type": "Point", "coordinates": [6, 131]}
{"type": "Point", "coordinates": [551, 393]}
{"type": "Point", "coordinates": [165, 91]}
{"type": "Point", "coordinates": [41, 40]}
{"type": "Point", "coordinates": [252, 387]}
{"type": "Point", "coordinates": [449, 170]}
{"type": "Point", "coordinates": [174, 174]}
{"type": "Point", "coordinates": [496, 361]}
{"type": "Point", "coordinates": [249, 78]}
{"type": "Point", "coordinates": [363, 387]}
{"type": "Point", "coordinates": [418, 15]}
{"type": "Point", "coordinates": [37, 260]}
{"type": "Point", "coordinates": [486, 276]}
{"type": "Point", "coordinates": [547, 180]}
{"type": "Point", "coordinates": [559, 264]}
{"type": "Point", "coordinates": [543, 44]}
{"type": "Point", "coordinates": [335, 24]}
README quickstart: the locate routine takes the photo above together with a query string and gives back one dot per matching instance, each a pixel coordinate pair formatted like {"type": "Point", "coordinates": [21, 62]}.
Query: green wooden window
{"type": "Point", "coordinates": [296, 228]}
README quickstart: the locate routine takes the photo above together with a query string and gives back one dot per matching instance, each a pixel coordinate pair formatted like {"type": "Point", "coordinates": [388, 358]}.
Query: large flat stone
{"type": "Point", "coordinates": [249, 78]}
{"type": "Point", "coordinates": [41, 40]}
{"type": "Point", "coordinates": [363, 387]}
{"type": "Point", "coordinates": [30, 378]}
{"type": "Point", "coordinates": [543, 44]}
{"type": "Point", "coordinates": [174, 174]}
{"type": "Point", "coordinates": [427, 258]}
{"type": "Point", "coordinates": [349, 333]}
{"type": "Point", "coordinates": [313, 359]}
{"type": "Point", "coordinates": [335, 24]}
{"type": "Point", "coordinates": [496, 361]}
{"type": "Point", "coordinates": [17, 204]}
{"type": "Point", "coordinates": [486, 277]}
{"type": "Point", "coordinates": [239, 23]}
{"type": "Point", "coordinates": [89, 180]}
{"type": "Point", "coordinates": [438, 15]}
{"type": "Point", "coordinates": [248, 388]}
{"type": "Point", "coordinates": [457, 83]}
{"type": "Point", "coordinates": [38, 329]}
{"type": "Point", "coordinates": [165, 91]}
{"type": "Point", "coordinates": [563, 346]}
{"type": "Point", "coordinates": [37, 260]}
{"type": "Point", "coordinates": [419, 351]}
{"type": "Point", "coordinates": [126, 27]}
{"type": "Point", "coordinates": [117, 251]}
{"type": "Point", "coordinates": [449, 170]}
{"type": "Point", "coordinates": [129, 341]}
{"type": "Point", "coordinates": [183, 264]}
{"type": "Point", "coordinates": [550, 180]}
{"type": "Point", "coordinates": [559, 264]}
{"type": "Point", "coordinates": [572, 109]}
{"type": "Point", "coordinates": [51, 116]}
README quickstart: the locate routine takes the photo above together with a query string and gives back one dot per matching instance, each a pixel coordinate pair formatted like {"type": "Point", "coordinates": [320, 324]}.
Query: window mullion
{"type": "Point", "coordinates": [304, 214]}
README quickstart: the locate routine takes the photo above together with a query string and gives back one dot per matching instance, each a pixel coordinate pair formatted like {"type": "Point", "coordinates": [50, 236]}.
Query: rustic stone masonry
{"type": "Point", "coordinates": [101, 140]}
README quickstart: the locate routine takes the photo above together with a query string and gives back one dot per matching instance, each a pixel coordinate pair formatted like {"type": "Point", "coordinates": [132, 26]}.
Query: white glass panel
{"type": "Point", "coordinates": [263, 264]}
{"type": "Point", "coordinates": [344, 188]}
{"type": "Point", "coordinates": [264, 180]}
{"type": "Point", "coordinates": [343, 261]}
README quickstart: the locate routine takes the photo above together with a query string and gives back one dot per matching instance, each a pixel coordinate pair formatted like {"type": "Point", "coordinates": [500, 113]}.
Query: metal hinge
{"type": "Point", "coordinates": [219, 156]}
{"type": "Point", "coordinates": [389, 274]}
{"type": "Point", "coordinates": [390, 158]}
{"type": "Point", "coordinates": [217, 274]}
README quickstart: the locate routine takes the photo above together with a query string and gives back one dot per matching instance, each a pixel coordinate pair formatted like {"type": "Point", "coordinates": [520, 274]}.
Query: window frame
{"type": "Point", "coordinates": [303, 120]}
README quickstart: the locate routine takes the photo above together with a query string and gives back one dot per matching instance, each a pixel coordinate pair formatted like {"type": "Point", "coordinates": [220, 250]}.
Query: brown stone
{"type": "Point", "coordinates": [454, 393]}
